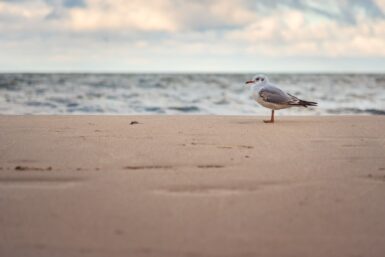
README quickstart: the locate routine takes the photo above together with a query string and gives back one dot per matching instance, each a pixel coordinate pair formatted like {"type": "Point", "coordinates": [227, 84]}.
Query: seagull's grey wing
{"type": "Point", "coordinates": [274, 95]}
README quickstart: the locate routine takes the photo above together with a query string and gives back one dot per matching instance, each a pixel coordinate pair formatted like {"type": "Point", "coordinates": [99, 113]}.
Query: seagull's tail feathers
{"type": "Point", "coordinates": [306, 103]}
{"type": "Point", "coordinates": [298, 102]}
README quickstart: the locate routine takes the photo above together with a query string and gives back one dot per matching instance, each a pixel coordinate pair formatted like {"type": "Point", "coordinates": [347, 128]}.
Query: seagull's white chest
{"type": "Point", "coordinates": [267, 104]}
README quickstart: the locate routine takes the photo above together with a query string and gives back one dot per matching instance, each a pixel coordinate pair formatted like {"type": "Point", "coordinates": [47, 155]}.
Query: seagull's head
{"type": "Point", "coordinates": [257, 80]}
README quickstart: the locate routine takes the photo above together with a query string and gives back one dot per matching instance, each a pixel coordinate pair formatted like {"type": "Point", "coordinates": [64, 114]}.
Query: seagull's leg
{"type": "Point", "coordinates": [271, 119]}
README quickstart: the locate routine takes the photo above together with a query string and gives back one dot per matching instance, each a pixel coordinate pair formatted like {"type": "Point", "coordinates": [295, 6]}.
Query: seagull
{"type": "Point", "coordinates": [272, 97]}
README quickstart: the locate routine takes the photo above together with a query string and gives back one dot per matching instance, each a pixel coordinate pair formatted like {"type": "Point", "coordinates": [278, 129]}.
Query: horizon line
{"type": "Point", "coordinates": [186, 72]}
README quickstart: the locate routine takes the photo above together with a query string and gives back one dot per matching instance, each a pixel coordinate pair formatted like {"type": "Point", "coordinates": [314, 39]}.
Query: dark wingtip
{"type": "Point", "coordinates": [307, 103]}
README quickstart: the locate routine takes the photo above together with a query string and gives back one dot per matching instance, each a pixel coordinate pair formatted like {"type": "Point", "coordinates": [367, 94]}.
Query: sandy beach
{"type": "Point", "coordinates": [192, 186]}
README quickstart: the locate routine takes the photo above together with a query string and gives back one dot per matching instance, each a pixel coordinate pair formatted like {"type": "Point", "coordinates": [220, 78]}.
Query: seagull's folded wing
{"type": "Point", "coordinates": [274, 95]}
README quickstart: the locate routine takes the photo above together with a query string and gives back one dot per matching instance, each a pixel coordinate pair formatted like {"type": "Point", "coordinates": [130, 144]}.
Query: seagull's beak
{"type": "Point", "coordinates": [249, 82]}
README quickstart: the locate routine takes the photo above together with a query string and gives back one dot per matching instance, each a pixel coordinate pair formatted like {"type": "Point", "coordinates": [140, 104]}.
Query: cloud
{"type": "Point", "coordinates": [160, 15]}
{"type": "Point", "coordinates": [205, 28]}
{"type": "Point", "coordinates": [345, 11]}
{"type": "Point", "coordinates": [289, 33]}
{"type": "Point", "coordinates": [66, 3]}
{"type": "Point", "coordinates": [20, 10]}
{"type": "Point", "coordinates": [119, 14]}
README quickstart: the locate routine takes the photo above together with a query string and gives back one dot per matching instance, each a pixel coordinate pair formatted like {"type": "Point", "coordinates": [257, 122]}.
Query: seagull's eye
{"type": "Point", "coordinates": [257, 79]}
{"type": "Point", "coordinates": [262, 79]}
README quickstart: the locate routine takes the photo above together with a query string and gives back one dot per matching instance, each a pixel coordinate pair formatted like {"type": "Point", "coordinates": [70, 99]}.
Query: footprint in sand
{"type": "Point", "coordinates": [379, 178]}
{"type": "Point", "coordinates": [27, 168]}
{"type": "Point", "coordinates": [246, 146]}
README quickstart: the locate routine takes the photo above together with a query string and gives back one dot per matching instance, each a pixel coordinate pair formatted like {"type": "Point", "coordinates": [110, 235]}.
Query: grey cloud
{"type": "Point", "coordinates": [346, 10]}
{"type": "Point", "coordinates": [59, 7]}
{"type": "Point", "coordinates": [74, 3]}
{"type": "Point", "coordinates": [371, 8]}
{"type": "Point", "coordinates": [66, 3]}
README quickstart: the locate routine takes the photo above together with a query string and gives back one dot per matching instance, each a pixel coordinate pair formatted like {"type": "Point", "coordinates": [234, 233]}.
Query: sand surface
{"type": "Point", "coordinates": [192, 186]}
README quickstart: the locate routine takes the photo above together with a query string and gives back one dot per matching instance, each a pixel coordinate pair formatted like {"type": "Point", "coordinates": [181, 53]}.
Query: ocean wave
{"type": "Point", "coordinates": [184, 93]}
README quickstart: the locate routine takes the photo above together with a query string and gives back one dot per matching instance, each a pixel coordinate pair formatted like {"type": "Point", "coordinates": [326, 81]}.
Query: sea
{"type": "Point", "coordinates": [219, 94]}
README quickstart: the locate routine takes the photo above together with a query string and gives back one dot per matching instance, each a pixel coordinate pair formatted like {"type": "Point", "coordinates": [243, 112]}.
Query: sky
{"type": "Point", "coordinates": [192, 36]}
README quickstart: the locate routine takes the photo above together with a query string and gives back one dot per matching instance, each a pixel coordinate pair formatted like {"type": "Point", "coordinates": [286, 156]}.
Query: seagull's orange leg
{"type": "Point", "coordinates": [271, 119]}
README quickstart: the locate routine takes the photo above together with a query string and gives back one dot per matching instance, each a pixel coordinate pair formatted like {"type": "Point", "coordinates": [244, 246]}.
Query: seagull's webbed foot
{"type": "Point", "coordinates": [268, 121]}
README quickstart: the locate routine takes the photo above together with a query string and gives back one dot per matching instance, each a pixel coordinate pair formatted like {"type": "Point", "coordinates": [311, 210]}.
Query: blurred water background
{"type": "Point", "coordinates": [224, 94]}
